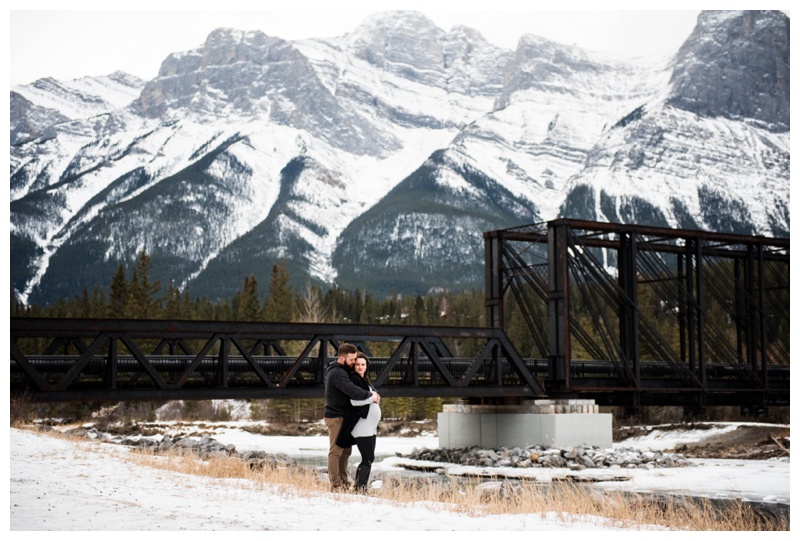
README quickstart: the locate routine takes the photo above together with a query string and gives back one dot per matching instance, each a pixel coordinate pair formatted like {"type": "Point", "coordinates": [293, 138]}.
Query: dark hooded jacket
{"type": "Point", "coordinates": [339, 389]}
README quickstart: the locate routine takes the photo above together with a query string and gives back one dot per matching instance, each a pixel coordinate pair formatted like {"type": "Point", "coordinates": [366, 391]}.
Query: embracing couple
{"type": "Point", "coordinates": [352, 413]}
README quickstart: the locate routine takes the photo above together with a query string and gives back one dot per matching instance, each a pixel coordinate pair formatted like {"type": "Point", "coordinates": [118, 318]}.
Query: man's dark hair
{"type": "Point", "coordinates": [347, 349]}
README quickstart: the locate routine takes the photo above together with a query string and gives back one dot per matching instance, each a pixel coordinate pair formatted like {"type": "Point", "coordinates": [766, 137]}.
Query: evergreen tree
{"type": "Point", "coordinates": [356, 307]}
{"type": "Point", "coordinates": [143, 302]}
{"type": "Point", "coordinates": [431, 310]}
{"type": "Point", "coordinates": [398, 407]}
{"type": "Point", "coordinates": [98, 302]}
{"type": "Point", "coordinates": [201, 308]}
{"type": "Point", "coordinates": [173, 308]}
{"type": "Point", "coordinates": [248, 308]}
{"type": "Point", "coordinates": [283, 409]}
{"type": "Point", "coordinates": [118, 301]}
{"type": "Point", "coordinates": [372, 310]}
{"type": "Point", "coordinates": [334, 300]}
{"type": "Point", "coordinates": [84, 305]}
{"type": "Point", "coordinates": [393, 308]}
{"type": "Point", "coordinates": [278, 306]}
{"type": "Point", "coordinates": [222, 311]}
{"type": "Point", "coordinates": [516, 328]}
{"type": "Point", "coordinates": [418, 312]}
{"type": "Point", "coordinates": [186, 306]}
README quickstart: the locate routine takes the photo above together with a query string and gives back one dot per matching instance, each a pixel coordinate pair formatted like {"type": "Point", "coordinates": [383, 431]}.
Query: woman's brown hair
{"type": "Point", "coordinates": [361, 355]}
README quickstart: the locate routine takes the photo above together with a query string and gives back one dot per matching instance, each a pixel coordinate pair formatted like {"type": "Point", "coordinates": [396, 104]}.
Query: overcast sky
{"type": "Point", "coordinates": [91, 39]}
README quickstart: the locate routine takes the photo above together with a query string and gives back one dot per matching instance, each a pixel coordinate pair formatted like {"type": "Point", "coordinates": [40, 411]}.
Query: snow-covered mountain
{"type": "Point", "coordinates": [377, 159]}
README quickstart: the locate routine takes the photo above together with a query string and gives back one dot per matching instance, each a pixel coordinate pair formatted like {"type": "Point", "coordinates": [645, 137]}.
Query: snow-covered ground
{"type": "Point", "coordinates": [57, 484]}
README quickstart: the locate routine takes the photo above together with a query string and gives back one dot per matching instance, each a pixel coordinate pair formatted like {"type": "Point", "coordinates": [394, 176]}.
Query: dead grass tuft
{"type": "Point", "coordinates": [293, 479]}
{"type": "Point", "coordinates": [565, 499]}
{"type": "Point", "coordinates": [568, 499]}
{"type": "Point", "coordinates": [23, 411]}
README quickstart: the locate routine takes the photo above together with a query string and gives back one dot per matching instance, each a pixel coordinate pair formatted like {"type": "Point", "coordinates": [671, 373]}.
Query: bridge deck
{"type": "Point", "coordinates": [101, 360]}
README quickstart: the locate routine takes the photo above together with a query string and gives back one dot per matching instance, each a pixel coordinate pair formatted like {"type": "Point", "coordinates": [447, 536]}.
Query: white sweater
{"type": "Point", "coordinates": [367, 426]}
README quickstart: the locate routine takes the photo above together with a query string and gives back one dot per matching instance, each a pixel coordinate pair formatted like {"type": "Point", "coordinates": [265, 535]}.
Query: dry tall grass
{"type": "Point", "coordinates": [566, 500]}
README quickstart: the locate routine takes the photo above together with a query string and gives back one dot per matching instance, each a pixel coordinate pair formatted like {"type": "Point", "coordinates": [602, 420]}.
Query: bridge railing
{"type": "Point", "coordinates": [113, 359]}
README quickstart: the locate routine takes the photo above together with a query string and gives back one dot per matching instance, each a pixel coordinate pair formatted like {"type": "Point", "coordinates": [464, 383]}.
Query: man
{"type": "Point", "coordinates": [338, 392]}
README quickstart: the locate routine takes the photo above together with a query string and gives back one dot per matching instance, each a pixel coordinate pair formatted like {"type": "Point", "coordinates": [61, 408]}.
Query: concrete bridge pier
{"type": "Point", "coordinates": [554, 423]}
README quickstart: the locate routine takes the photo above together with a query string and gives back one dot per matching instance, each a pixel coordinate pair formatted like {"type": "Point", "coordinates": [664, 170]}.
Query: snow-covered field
{"type": "Point", "coordinates": [57, 484]}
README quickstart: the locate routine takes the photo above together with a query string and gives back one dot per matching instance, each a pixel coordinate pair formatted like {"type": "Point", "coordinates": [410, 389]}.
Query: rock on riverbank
{"type": "Point", "coordinates": [538, 456]}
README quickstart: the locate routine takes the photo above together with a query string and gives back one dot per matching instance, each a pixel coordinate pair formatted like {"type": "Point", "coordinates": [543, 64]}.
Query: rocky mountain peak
{"type": "Point", "coordinates": [378, 158]}
{"type": "Point", "coordinates": [38, 109]}
{"type": "Point", "coordinates": [410, 45]}
{"type": "Point", "coordinates": [393, 36]}
{"type": "Point", "coordinates": [231, 69]}
{"type": "Point", "coordinates": [735, 65]}
{"type": "Point", "coordinates": [126, 79]}
{"type": "Point", "coordinates": [28, 121]}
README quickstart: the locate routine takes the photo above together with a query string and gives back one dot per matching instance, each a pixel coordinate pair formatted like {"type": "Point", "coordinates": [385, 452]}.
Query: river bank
{"type": "Point", "coordinates": [49, 475]}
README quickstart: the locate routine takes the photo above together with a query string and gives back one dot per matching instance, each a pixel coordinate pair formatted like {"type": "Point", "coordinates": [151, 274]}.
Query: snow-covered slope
{"type": "Point", "coordinates": [379, 158]}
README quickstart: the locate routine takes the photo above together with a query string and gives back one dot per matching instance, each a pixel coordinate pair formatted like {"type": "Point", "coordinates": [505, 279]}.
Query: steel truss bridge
{"type": "Point", "coordinates": [624, 315]}
{"type": "Point", "coordinates": [664, 316]}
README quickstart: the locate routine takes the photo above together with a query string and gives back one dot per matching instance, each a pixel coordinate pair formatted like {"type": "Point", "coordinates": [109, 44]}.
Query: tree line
{"type": "Point", "coordinates": [134, 295]}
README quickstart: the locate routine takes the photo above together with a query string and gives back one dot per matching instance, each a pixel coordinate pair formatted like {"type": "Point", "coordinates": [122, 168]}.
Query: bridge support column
{"type": "Point", "coordinates": [554, 423]}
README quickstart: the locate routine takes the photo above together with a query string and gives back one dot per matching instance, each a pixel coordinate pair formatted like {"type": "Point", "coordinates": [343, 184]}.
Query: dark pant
{"type": "Point", "coordinates": [366, 447]}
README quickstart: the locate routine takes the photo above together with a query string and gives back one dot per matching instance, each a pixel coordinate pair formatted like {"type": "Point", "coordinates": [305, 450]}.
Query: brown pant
{"type": "Point", "coordinates": [338, 457]}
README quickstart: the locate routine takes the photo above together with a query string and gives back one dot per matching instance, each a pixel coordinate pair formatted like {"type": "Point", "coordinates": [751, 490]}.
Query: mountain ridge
{"type": "Point", "coordinates": [251, 148]}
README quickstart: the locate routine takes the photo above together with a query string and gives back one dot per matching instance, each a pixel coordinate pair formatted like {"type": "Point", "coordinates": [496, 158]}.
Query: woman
{"type": "Point", "coordinates": [360, 425]}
